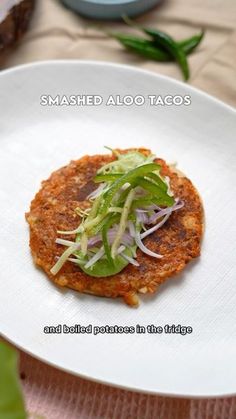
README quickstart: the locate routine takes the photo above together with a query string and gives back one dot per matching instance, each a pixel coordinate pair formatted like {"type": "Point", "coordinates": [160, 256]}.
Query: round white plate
{"type": "Point", "coordinates": [34, 141]}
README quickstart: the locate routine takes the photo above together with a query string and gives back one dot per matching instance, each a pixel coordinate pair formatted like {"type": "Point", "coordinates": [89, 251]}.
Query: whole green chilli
{"type": "Point", "coordinates": [189, 44]}
{"type": "Point", "coordinates": [166, 41]}
{"type": "Point", "coordinates": [141, 46]}
{"type": "Point", "coordinates": [149, 48]}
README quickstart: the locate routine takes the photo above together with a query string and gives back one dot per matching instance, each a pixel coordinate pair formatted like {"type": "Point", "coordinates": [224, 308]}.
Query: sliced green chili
{"type": "Point", "coordinates": [126, 178]}
{"type": "Point", "coordinates": [150, 187]}
{"type": "Point", "coordinates": [156, 191]}
{"type": "Point", "coordinates": [108, 177]}
{"type": "Point", "coordinates": [157, 179]}
{"type": "Point", "coordinates": [146, 202]}
{"type": "Point", "coordinates": [142, 202]}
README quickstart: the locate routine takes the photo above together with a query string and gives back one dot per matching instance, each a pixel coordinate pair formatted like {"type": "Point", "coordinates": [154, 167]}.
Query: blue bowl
{"type": "Point", "coordinates": [110, 9]}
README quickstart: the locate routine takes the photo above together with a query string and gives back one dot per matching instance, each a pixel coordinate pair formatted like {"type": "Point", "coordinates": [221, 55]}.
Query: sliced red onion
{"type": "Point", "coordinates": [156, 227]}
{"type": "Point", "coordinates": [130, 259]}
{"type": "Point", "coordinates": [140, 192]}
{"type": "Point", "coordinates": [131, 229]}
{"type": "Point", "coordinates": [98, 238]}
{"type": "Point", "coordinates": [94, 240]}
{"type": "Point", "coordinates": [142, 217]}
{"type": "Point", "coordinates": [64, 242]}
{"type": "Point", "coordinates": [74, 260]}
{"type": "Point", "coordinates": [99, 255]}
{"type": "Point", "coordinates": [126, 238]}
{"type": "Point", "coordinates": [165, 211]}
{"type": "Point", "coordinates": [144, 248]}
{"type": "Point", "coordinates": [147, 209]}
{"type": "Point", "coordinates": [95, 258]}
{"type": "Point", "coordinates": [159, 214]}
{"type": "Point", "coordinates": [120, 249]}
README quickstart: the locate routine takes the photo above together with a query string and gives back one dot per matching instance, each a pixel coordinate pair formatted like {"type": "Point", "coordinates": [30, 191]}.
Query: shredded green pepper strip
{"type": "Point", "coordinates": [157, 179]}
{"type": "Point", "coordinates": [108, 177]}
{"type": "Point", "coordinates": [126, 178]}
{"type": "Point", "coordinates": [156, 191]}
{"type": "Point", "coordinates": [123, 196]}
{"type": "Point", "coordinates": [146, 202]}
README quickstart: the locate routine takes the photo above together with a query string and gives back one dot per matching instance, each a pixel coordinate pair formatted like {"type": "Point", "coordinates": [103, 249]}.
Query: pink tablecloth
{"type": "Point", "coordinates": [57, 395]}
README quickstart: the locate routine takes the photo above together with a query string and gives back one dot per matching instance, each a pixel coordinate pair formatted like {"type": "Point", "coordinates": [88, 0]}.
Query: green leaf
{"type": "Point", "coordinates": [11, 400]}
{"type": "Point", "coordinates": [103, 268]}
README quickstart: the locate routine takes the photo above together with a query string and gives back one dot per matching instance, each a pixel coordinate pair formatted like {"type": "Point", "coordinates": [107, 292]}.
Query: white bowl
{"type": "Point", "coordinates": [110, 9]}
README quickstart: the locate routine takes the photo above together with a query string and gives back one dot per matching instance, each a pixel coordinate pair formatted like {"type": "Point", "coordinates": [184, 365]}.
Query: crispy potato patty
{"type": "Point", "coordinates": [53, 208]}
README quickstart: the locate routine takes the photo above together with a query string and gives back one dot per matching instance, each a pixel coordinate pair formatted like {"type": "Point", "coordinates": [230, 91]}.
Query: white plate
{"type": "Point", "coordinates": [36, 140]}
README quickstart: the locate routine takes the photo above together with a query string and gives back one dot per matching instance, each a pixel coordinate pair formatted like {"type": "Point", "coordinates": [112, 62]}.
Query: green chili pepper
{"type": "Point", "coordinates": [126, 178]}
{"type": "Point", "coordinates": [158, 181]}
{"type": "Point", "coordinates": [150, 50]}
{"type": "Point", "coordinates": [108, 177]}
{"type": "Point", "coordinates": [156, 191]}
{"type": "Point", "coordinates": [155, 50]}
{"type": "Point", "coordinates": [189, 44]}
{"type": "Point", "coordinates": [142, 202]}
{"type": "Point", "coordinates": [146, 202]}
{"type": "Point", "coordinates": [123, 195]}
{"type": "Point", "coordinates": [167, 42]}
{"type": "Point", "coordinates": [141, 46]}
{"type": "Point", "coordinates": [162, 39]}
{"type": "Point", "coordinates": [150, 187]}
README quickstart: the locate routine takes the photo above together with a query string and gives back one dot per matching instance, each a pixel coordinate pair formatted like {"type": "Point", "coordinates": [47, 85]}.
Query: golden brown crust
{"type": "Point", "coordinates": [53, 208]}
